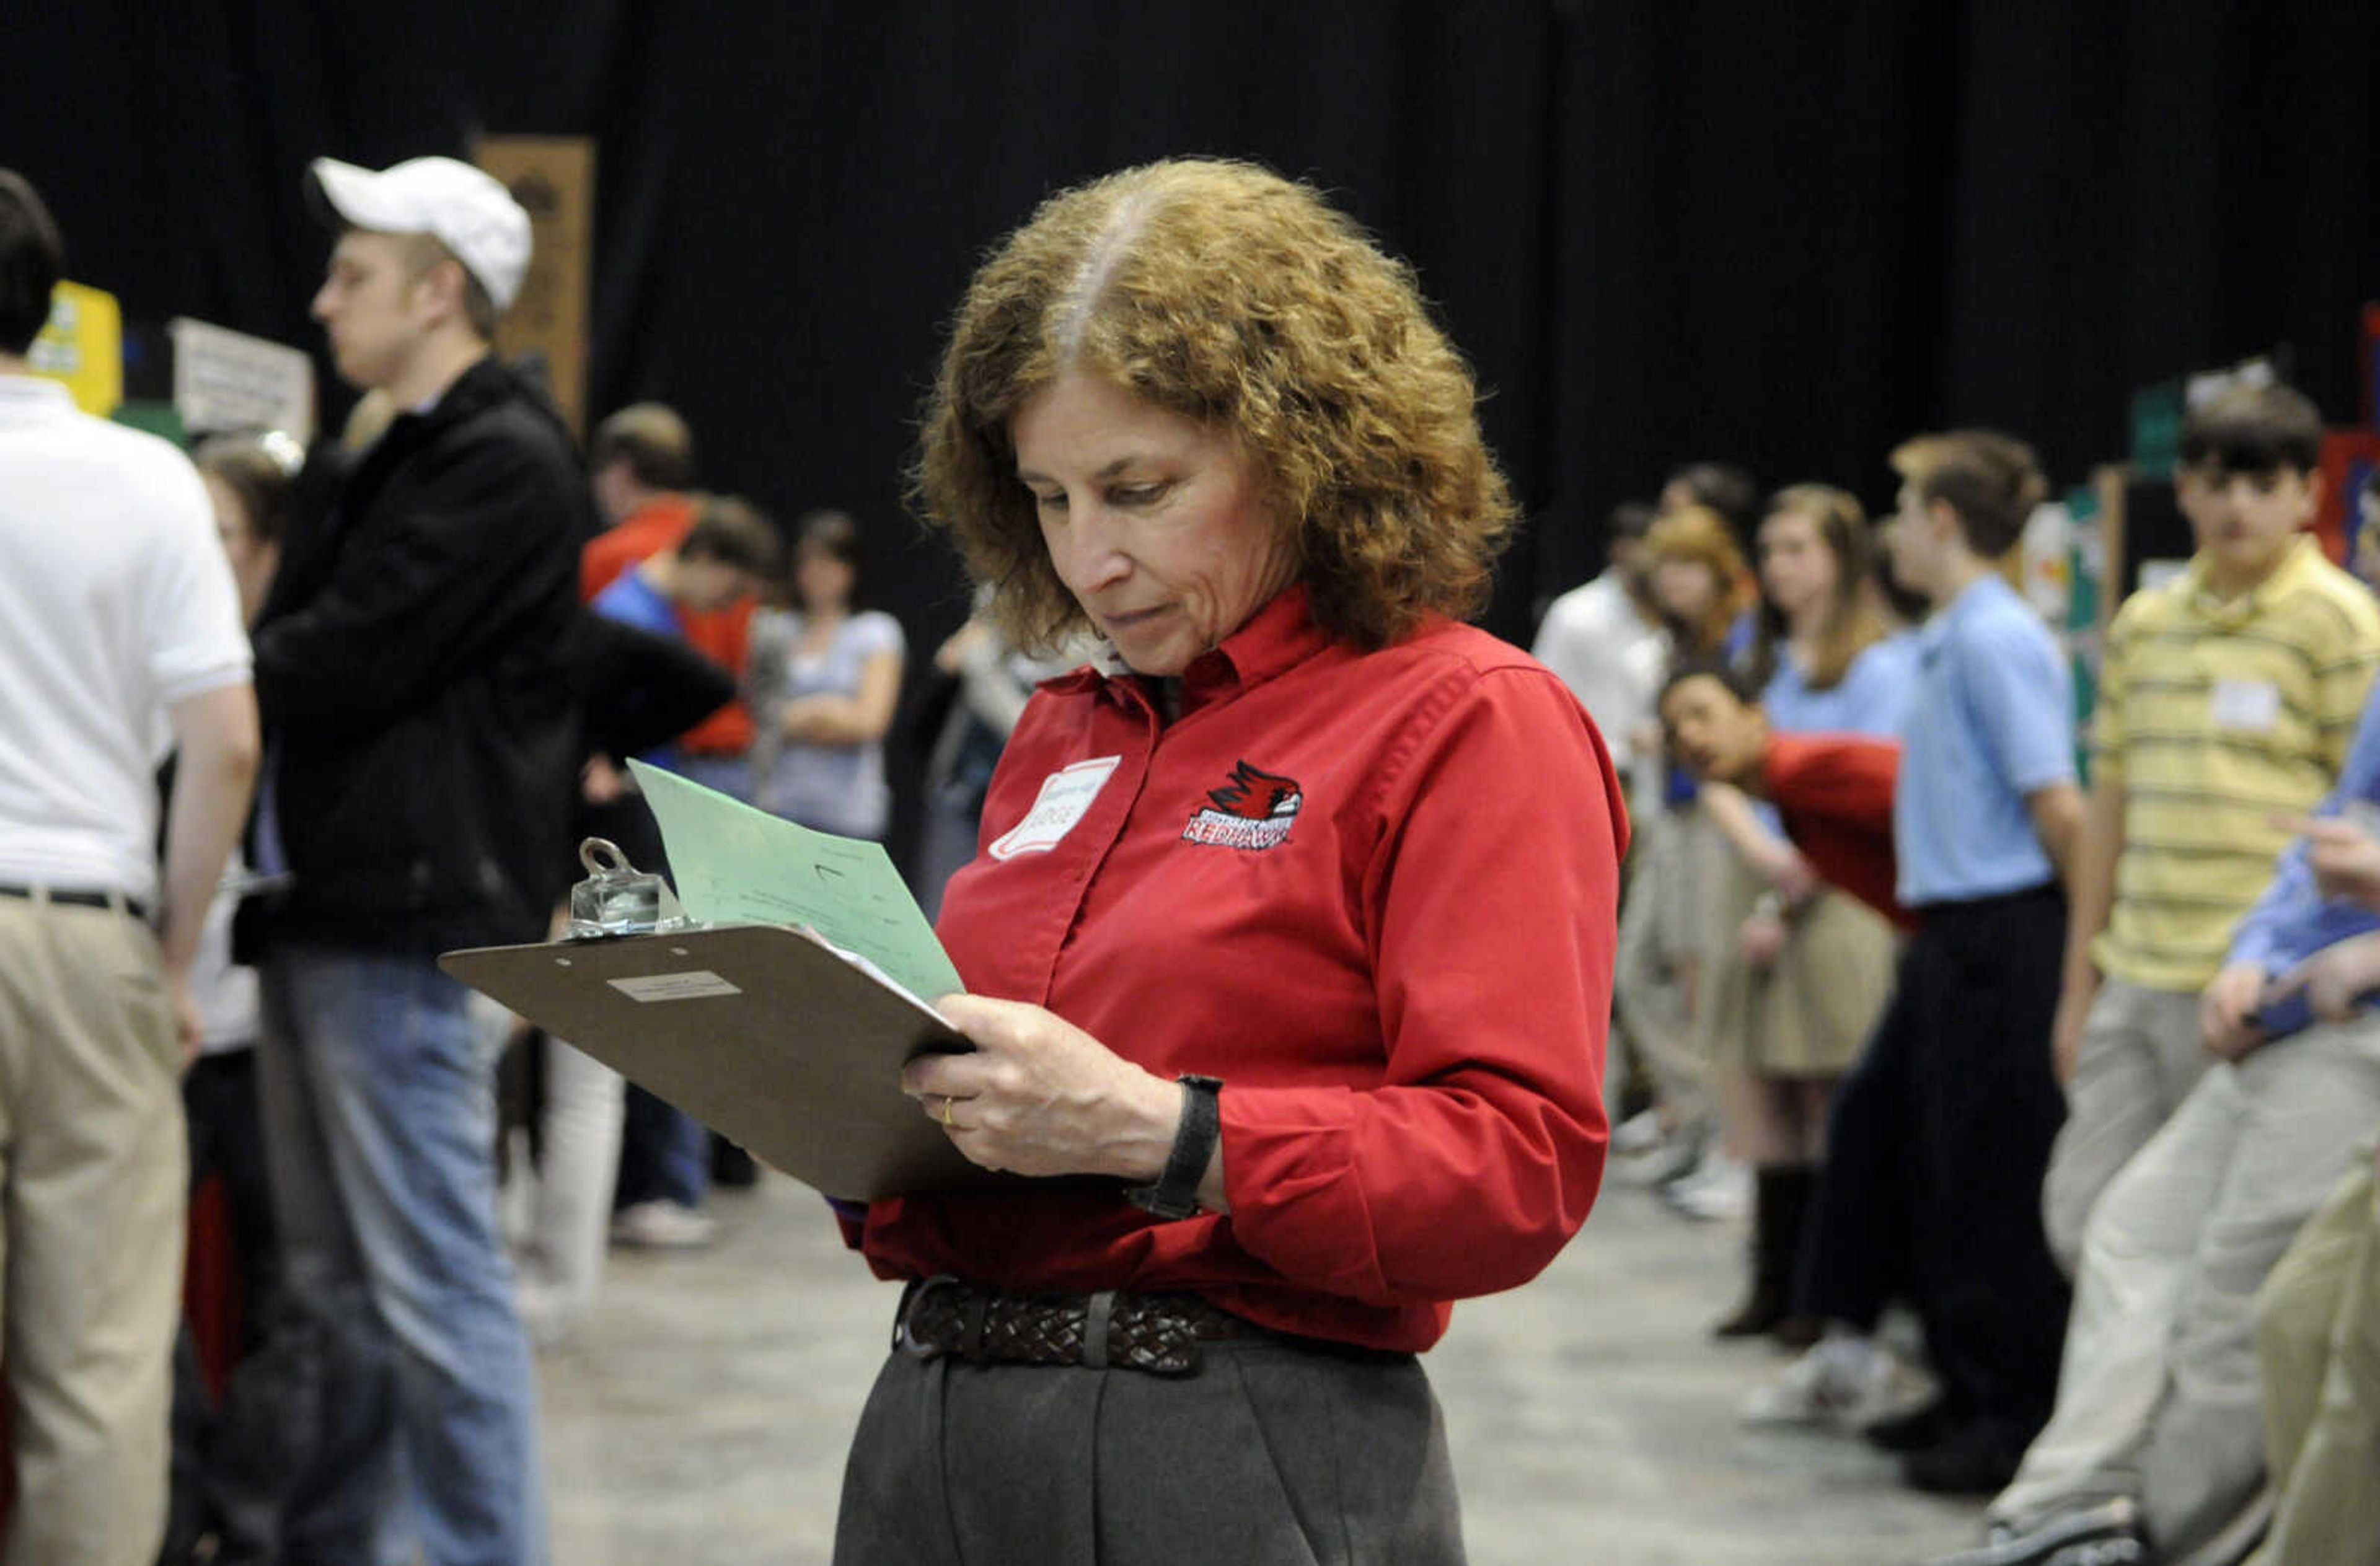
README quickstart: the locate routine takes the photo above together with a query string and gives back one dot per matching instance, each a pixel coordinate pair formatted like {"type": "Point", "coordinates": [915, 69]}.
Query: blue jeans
{"type": "Point", "coordinates": [664, 1155]}
{"type": "Point", "coordinates": [381, 1119]}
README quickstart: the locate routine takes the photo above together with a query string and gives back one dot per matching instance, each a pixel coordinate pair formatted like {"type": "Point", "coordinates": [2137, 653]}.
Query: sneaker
{"type": "Point", "coordinates": [1718, 1191]}
{"type": "Point", "coordinates": [1662, 1163]}
{"type": "Point", "coordinates": [662, 1226]}
{"type": "Point", "coordinates": [1846, 1382]}
{"type": "Point", "coordinates": [2123, 1550]}
{"type": "Point", "coordinates": [1640, 1133]}
{"type": "Point", "coordinates": [2106, 1534]}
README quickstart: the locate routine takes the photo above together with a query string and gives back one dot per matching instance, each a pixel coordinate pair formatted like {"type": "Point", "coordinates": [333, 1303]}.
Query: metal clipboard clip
{"type": "Point", "coordinates": [618, 899]}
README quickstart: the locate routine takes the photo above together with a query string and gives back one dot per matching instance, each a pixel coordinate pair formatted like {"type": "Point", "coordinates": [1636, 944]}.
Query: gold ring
{"type": "Point", "coordinates": [945, 1116]}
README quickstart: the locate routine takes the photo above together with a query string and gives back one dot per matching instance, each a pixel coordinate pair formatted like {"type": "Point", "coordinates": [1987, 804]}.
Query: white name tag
{"type": "Point", "coordinates": [2252, 705]}
{"type": "Point", "coordinates": [1065, 799]}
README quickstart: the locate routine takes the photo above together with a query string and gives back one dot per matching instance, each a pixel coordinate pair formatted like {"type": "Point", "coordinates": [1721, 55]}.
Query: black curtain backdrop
{"type": "Point", "coordinates": [1662, 229]}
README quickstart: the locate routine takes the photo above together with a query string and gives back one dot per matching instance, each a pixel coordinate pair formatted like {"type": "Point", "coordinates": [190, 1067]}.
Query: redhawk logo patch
{"type": "Point", "coordinates": [1256, 809]}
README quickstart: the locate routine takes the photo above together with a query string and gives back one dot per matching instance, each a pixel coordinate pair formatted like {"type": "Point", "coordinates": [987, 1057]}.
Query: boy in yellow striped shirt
{"type": "Point", "coordinates": [2227, 697]}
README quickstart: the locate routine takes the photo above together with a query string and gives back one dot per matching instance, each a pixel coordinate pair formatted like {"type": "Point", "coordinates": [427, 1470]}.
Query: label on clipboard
{"type": "Point", "coordinates": [690, 986]}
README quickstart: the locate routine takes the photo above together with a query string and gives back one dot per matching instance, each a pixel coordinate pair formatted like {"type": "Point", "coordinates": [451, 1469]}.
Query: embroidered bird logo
{"type": "Point", "coordinates": [1255, 795]}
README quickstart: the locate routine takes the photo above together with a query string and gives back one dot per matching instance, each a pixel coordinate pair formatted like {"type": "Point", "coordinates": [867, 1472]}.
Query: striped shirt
{"type": "Point", "coordinates": [2213, 714]}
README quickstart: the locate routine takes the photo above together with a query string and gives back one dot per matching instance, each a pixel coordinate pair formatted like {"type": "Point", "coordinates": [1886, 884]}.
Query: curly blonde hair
{"type": "Point", "coordinates": [1223, 293]}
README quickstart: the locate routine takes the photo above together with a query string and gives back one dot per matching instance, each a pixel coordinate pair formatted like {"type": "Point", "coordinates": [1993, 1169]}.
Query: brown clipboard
{"type": "Point", "coordinates": [764, 1033]}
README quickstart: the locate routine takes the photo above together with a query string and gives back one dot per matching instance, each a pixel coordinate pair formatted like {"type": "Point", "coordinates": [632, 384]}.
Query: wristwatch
{"type": "Point", "coordinates": [1175, 1193]}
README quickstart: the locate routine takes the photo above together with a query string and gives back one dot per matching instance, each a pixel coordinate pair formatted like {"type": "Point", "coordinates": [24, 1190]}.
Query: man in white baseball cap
{"type": "Point", "coordinates": [467, 209]}
{"type": "Point", "coordinates": [422, 763]}
{"type": "Point", "coordinates": [433, 222]}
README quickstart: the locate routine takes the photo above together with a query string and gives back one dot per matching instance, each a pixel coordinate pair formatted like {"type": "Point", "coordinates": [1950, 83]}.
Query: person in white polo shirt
{"type": "Point", "coordinates": [119, 631]}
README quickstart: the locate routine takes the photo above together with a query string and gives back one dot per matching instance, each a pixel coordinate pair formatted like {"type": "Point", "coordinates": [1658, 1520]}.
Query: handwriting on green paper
{"type": "Point", "coordinates": [736, 865]}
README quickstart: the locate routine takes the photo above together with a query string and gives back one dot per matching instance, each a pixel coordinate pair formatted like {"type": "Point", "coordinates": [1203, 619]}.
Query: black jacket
{"type": "Point", "coordinates": [641, 689]}
{"type": "Point", "coordinates": [412, 665]}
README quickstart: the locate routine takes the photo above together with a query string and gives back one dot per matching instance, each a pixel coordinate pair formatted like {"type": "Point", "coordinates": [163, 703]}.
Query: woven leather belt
{"type": "Point", "coordinates": [73, 899]}
{"type": "Point", "coordinates": [1158, 1334]}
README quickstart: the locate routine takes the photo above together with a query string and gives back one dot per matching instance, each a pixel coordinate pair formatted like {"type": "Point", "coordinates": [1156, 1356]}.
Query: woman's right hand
{"type": "Point", "coordinates": [1038, 1095]}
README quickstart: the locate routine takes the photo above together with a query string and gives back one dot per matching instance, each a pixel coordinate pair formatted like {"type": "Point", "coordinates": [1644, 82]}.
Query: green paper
{"type": "Point", "coordinates": [736, 865]}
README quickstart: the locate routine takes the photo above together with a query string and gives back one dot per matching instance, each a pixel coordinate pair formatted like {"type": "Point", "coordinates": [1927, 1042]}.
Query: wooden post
{"type": "Point", "coordinates": [554, 177]}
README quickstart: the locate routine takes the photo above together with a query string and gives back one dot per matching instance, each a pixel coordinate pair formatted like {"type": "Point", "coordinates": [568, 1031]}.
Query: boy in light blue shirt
{"type": "Point", "coordinates": [1941, 1133]}
{"type": "Point", "coordinates": [1989, 743]}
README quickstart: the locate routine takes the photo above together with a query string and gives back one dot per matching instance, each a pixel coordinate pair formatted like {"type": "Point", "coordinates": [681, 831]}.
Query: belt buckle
{"type": "Point", "coordinates": [902, 1338]}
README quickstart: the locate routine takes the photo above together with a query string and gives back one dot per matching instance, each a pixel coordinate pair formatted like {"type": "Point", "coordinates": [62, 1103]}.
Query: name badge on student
{"type": "Point", "coordinates": [2252, 705]}
{"type": "Point", "coordinates": [1064, 800]}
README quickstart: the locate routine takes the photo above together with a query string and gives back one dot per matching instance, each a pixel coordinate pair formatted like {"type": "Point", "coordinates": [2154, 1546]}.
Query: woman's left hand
{"type": "Point", "coordinates": [1039, 1096]}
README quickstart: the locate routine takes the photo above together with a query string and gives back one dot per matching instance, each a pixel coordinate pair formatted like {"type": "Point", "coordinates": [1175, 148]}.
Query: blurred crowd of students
{"type": "Point", "coordinates": [455, 628]}
{"type": "Point", "coordinates": [2050, 1103]}
{"type": "Point", "coordinates": [786, 702]}
{"type": "Point", "coordinates": [2047, 1093]}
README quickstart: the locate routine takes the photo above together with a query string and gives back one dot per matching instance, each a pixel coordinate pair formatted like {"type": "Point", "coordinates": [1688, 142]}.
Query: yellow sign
{"type": "Point", "coordinates": [83, 345]}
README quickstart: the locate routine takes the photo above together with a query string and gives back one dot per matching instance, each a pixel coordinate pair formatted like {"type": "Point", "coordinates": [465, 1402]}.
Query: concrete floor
{"type": "Point", "coordinates": [700, 1417]}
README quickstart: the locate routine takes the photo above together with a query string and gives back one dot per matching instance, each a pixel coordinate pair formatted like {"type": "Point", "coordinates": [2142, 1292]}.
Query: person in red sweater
{"type": "Point", "coordinates": [1833, 792]}
{"type": "Point", "coordinates": [643, 462]}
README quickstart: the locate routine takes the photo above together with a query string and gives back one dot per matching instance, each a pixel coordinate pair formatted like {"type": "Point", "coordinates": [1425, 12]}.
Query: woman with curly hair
{"type": "Point", "coordinates": [1288, 944]}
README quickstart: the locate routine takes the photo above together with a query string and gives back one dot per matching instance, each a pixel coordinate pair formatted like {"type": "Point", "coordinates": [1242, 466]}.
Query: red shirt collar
{"type": "Point", "coordinates": [1277, 637]}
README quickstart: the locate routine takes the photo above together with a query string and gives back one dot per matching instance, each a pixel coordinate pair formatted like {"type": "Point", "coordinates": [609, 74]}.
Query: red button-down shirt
{"type": "Point", "coordinates": [1372, 892]}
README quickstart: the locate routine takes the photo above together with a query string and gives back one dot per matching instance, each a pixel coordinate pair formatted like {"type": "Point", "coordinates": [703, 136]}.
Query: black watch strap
{"type": "Point", "coordinates": [1175, 1194]}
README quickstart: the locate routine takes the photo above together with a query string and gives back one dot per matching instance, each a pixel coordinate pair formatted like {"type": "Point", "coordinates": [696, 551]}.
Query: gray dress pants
{"type": "Point", "coordinates": [1272, 1453]}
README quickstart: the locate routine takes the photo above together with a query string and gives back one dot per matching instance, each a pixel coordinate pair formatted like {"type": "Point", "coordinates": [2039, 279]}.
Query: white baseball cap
{"type": "Point", "coordinates": [468, 209]}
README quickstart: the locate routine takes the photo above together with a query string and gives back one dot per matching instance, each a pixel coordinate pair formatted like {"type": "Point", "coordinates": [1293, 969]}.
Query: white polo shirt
{"type": "Point", "coordinates": [1612, 659]}
{"type": "Point", "coordinates": [115, 603]}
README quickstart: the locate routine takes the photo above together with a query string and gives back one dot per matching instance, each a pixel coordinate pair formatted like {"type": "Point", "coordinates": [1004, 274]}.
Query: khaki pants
{"type": "Point", "coordinates": [2319, 1344]}
{"type": "Point", "coordinates": [93, 1160]}
{"type": "Point", "coordinates": [2140, 1056]}
{"type": "Point", "coordinates": [1669, 866]}
{"type": "Point", "coordinates": [2159, 1395]}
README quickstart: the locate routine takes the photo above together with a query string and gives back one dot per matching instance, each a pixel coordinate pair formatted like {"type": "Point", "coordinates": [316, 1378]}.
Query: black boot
{"type": "Point", "coordinates": [1797, 1192]}
{"type": "Point", "coordinates": [1780, 1200]}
